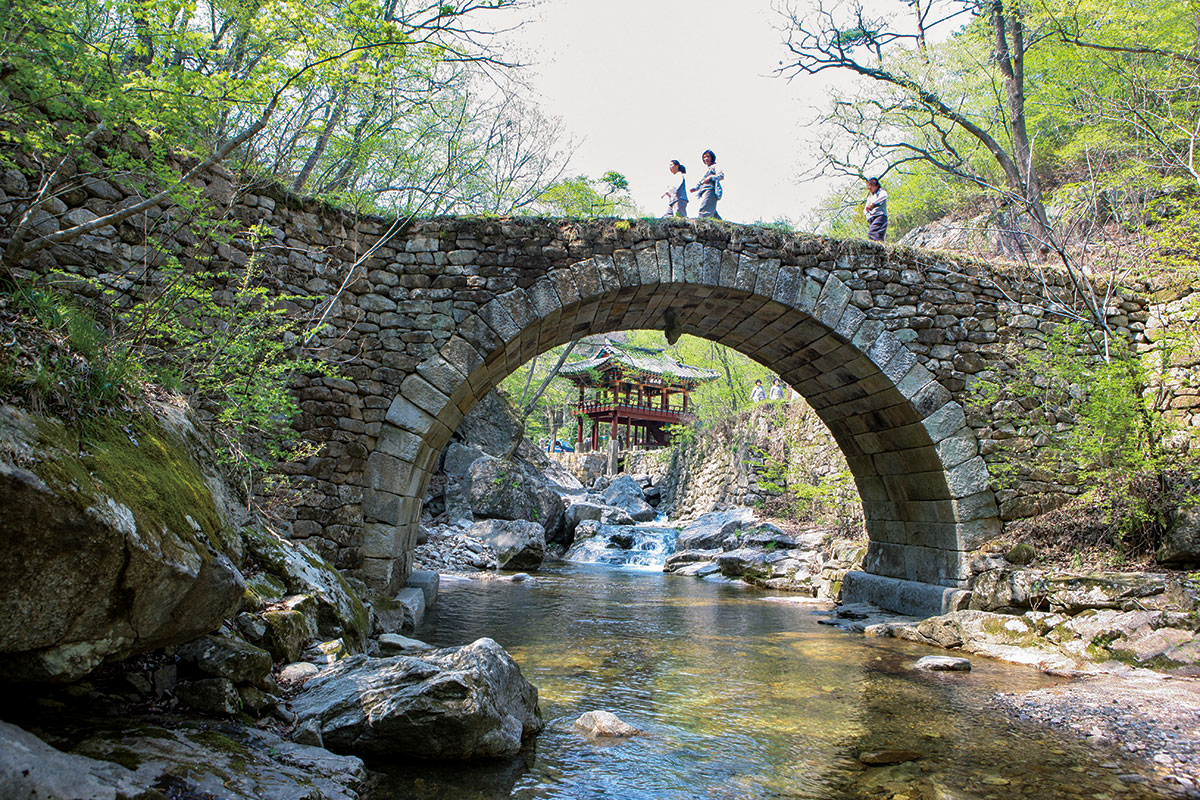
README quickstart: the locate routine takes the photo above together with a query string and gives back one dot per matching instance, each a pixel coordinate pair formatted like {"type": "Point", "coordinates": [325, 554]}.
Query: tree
{"type": "Point", "coordinates": [943, 94]}
{"type": "Point", "coordinates": [210, 83]}
{"type": "Point", "coordinates": [892, 52]}
{"type": "Point", "coordinates": [584, 197]}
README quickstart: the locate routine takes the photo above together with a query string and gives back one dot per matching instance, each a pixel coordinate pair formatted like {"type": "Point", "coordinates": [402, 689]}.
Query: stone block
{"type": "Point", "coordinates": [544, 298]}
{"type": "Point", "coordinates": [981, 505]}
{"type": "Point", "coordinates": [710, 267]}
{"type": "Point", "coordinates": [441, 374]}
{"type": "Point", "coordinates": [649, 270]}
{"type": "Point", "coordinates": [412, 601]}
{"type": "Point", "coordinates": [852, 319]}
{"type": "Point", "coordinates": [968, 478]}
{"type": "Point", "coordinates": [588, 278]}
{"type": "Point", "coordinates": [669, 260]}
{"type": "Point", "coordinates": [835, 296]}
{"type": "Point", "coordinates": [519, 308]}
{"type": "Point", "coordinates": [901, 596]}
{"type": "Point", "coordinates": [428, 581]}
{"type": "Point", "coordinates": [885, 559]}
{"type": "Point", "coordinates": [376, 573]}
{"type": "Point", "coordinates": [423, 395]}
{"type": "Point", "coordinates": [901, 362]}
{"type": "Point", "coordinates": [945, 422]}
{"type": "Point", "coordinates": [381, 506]}
{"type": "Point", "coordinates": [768, 271]}
{"type": "Point", "coordinates": [495, 314]}
{"type": "Point", "coordinates": [565, 285]}
{"type": "Point", "coordinates": [729, 269]}
{"type": "Point", "coordinates": [610, 276]}
{"type": "Point", "coordinates": [787, 284]}
{"type": "Point", "coordinates": [378, 540]}
{"type": "Point", "coordinates": [693, 262]}
{"type": "Point", "coordinates": [747, 272]}
{"type": "Point", "coordinates": [957, 448]}
{"type": "Point", "coordinates": [973, 534]}
{"type": "Point", "coordinates": [627, 267]}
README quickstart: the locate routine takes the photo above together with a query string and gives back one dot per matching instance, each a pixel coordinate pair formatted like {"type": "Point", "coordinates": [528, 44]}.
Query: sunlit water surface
{"type": "Point", "coordinates": [741, 694]}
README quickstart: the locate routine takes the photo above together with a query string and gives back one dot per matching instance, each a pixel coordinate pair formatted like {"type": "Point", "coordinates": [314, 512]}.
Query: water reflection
{"type": "Point", "coordinates": [739, 698]}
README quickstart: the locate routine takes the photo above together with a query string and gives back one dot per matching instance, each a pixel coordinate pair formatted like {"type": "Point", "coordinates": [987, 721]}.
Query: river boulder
{"type": "Point", "coordinates": [1181, 544]}
{"type": "Point", "coordinates": [113, 759]}
{"type": "Point", "coordinates": [1016, 589]}
{"type": "Point", "coordinates": [518, 544]}
{"type": "Point", "coordinates": [626, 494]}
{"type": "Point", "coordinates": [510, 490]}
{"type": "Point", "coordinates": [308, 585]}
{"type": "Point", "coordinates": [604, 724]}
{"type": "Point", "coordinates": [459, 702]}
{"type": "Point", "coordinates": [117, 542]}
{"type": "Point", "coordinates": [712, 530]}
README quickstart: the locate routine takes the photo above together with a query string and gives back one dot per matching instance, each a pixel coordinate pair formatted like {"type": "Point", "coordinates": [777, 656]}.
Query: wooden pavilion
{"type": "Point", "coordinates": [626, 393]}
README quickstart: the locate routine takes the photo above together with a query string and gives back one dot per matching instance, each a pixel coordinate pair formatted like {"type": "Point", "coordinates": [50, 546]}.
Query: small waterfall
{"type": "Point", "coordinates": [641, 546]}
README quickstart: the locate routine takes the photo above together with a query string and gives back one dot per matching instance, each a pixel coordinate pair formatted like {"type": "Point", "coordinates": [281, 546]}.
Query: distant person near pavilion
{"type": "Point", "coordinates": [676, 193]}
{"type": "Point", "coordinates": [876, 211]}
{"type": "Point", "coordinates": [777, 392]}
{"type": "Point", "coordinates": [757, 394]}
{"type": "Point", "coordinates": [708, 190]}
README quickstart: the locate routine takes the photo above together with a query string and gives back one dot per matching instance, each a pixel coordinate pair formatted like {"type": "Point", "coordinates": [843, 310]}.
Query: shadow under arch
{"type": "Point", "coordinates": [923, 486]}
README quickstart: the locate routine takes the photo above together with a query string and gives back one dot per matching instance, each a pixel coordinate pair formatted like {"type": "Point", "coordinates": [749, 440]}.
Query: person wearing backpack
{"type": "Point", "coordinates": [708, 190]}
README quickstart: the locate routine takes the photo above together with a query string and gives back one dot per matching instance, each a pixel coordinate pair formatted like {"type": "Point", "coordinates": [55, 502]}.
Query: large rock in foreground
{"type": "Point", "coordinates": [118, 539]}
{"type": "Point", "coordinates": [518, 544]}
{"type": "Point", "coordinates": [188, 760]}
{"type": "Point", "coordinates": [462, 702]}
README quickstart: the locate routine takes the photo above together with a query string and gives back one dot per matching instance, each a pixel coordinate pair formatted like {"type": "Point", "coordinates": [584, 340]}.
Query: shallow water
{"type": "Point", "coordinates": [741, 694]}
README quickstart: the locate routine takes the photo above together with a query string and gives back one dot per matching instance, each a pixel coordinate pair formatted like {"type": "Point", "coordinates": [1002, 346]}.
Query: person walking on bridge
{"type": "Point", "coordinates": [876, 211]}
{"type": "Point", "coordinates": [709, 188]}
{"type": "Point", "coordinates": [676, 193]}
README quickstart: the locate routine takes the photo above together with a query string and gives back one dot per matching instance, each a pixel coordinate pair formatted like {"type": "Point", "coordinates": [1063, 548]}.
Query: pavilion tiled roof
{"type": "Point", "coordinates": [639, 359]}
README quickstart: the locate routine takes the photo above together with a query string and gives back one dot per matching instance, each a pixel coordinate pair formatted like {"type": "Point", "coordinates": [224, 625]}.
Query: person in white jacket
{"type": "Point", "coordinates": [676, 193]}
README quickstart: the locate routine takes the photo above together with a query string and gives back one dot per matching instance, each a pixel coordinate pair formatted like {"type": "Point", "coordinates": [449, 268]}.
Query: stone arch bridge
{"type": "Point", "coordinates": [424, 318]}
{"type": "Point", "coordinates": [883, 342]}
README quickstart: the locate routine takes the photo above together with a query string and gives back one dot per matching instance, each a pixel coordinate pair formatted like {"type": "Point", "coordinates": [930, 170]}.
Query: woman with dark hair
{"type": "Point", "coordinates": [876, 211]}
{"type": "Point", "coordinates": [676, 192]}
{"type": "Point", "coordinates": [709, 187]}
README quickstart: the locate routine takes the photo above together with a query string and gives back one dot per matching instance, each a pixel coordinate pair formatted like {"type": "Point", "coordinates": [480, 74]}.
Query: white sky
{"type": "Point", "coordinates": [639, 82]}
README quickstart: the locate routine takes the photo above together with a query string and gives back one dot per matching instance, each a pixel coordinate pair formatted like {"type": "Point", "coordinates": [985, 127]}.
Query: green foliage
{"type": "Point", "coordinates": [584, 197]}
{"type": "Point", "coordinates": [1111, 99]}
{"type": "Point", "coordinates": [1113, 444]}
{"type": "Point", "coordinates": [824, 499]}
{"type": "Point", "coordinates": [216, 336]}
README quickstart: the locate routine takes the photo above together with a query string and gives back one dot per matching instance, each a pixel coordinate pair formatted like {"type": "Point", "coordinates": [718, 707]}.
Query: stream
{"type": "Point", "coordinates": [740, 694]}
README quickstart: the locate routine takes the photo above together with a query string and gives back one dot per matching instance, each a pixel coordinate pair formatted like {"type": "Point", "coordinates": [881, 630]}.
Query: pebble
{"type": "Point", "coordinates": [882, 757]}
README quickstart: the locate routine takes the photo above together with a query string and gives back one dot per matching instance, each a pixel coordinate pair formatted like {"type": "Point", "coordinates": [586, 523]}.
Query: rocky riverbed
{"type": "Point", "coordinates": [1147, 715]}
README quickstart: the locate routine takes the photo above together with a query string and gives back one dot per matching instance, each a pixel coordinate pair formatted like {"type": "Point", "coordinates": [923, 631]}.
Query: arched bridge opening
{"type": "Point", "coordinates": [923, 484]}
